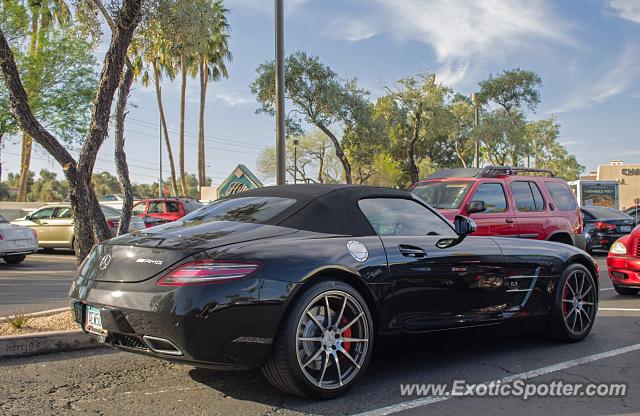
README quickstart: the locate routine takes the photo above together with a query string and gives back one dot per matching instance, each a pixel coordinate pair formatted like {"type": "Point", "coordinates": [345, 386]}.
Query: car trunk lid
{"type": "Point", "coordinates": [142, 255]}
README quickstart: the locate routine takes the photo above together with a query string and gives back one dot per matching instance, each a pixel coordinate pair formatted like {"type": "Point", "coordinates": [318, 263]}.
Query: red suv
{"type": "Point", "coordinates": [504, 201]}
{"type": "Point", "coordinates": [159, 210]}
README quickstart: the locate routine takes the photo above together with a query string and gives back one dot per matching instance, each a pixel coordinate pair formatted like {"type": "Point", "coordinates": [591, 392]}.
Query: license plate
{"type": "Point", "coordinates": [625, 228]}
{"type": "Point", "coordinates": [93, 323]}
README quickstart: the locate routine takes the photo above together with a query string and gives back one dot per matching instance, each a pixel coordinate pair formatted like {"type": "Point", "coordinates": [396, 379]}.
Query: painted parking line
{"type": "Point", "coordinates": [620, 309]}
{"type": "Point", "coordinates": [413, 404]}
{"type": "Point", "coordinates": [606, 288]}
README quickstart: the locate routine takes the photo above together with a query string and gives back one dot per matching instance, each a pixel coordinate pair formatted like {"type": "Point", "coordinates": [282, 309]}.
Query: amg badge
{"type": "Point", "coordinates": [150, 261]}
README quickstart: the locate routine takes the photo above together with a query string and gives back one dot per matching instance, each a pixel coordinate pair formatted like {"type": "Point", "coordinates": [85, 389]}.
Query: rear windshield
{"type": "Point", "coordinates": [443, 195]}
{"type": "Point", "coordinates": [248, 209]}
{"type": "Point", "coordinates": [110, 212]}
{"type": "Point", "coordinates": [606, 213]}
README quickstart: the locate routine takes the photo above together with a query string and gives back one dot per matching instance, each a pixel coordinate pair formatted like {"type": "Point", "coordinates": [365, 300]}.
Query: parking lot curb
{"type": "Point", "coordinates": [38, 314]}
{"type": "Point", "coordinates": [25, 345]}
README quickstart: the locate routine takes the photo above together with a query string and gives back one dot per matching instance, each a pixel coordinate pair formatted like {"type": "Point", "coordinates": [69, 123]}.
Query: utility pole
{"type": "Point", "coordinates": [280, 118]}
{"type": "Point", "coordinates": [160, 163]}
{"type": "Point", "coordinates": [295, 160]}
{"type": "Point", "coordinates": [474, 99]}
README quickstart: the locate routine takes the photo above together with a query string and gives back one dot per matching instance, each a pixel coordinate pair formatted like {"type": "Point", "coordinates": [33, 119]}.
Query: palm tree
{"type": "Point", "coordinates": [151, 60]}
{"type": "Point", "coordinates": [214, 53]}
{"type": "Point", "coordinates": [45, 16]}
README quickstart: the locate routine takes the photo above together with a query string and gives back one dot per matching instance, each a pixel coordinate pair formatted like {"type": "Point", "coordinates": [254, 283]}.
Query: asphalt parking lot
{"type": "Point", "coordinates": [109, 382]}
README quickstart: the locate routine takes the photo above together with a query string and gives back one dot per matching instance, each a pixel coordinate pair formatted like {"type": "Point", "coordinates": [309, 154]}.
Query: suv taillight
{"type": "Point", "coordinates": [207, 271]}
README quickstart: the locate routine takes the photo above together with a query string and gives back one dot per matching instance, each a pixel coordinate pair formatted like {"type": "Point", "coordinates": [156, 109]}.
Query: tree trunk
{"type": "Point", "coordinates": [339, 153]}
{"type": "Point", "coordinates": [25, 159]}
{"type": "Point", "coordinates": [165, 130]}
{"type": "Point", "coordinates": [204, 75]}
{"type": "Point", "coordinates": [412, 168]}
{"type": "Point", "coordinates": [183, 97]}
{"type": "Point", "coordinates": [120, 156]}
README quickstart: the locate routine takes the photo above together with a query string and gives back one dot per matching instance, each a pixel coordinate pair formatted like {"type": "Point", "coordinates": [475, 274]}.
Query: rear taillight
{"type": "Point", "coordinates": [605, 227]}
{"type": "Point", "coordinates": [207, 271]}
{"type": "Point", "coordinates": [113, 223]}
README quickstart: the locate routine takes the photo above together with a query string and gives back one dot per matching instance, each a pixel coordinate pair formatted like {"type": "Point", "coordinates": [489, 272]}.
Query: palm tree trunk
{"type": "Point", "coordinates": [183, 97]}
{"type": "Point", "coordinates": [204, 75]}
{"type": "Point", "coordinates": [165, 130]}
{"type": "Point", "coordinates": [27, 143]}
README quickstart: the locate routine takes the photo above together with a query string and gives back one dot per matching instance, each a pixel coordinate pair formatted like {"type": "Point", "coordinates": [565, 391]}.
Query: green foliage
{"type": "Point", "coordinates": [17, 321]}
{"type": "Point", "coordinates": [514, 90]}
{"type": "Point", "coordinates": [46, 188]}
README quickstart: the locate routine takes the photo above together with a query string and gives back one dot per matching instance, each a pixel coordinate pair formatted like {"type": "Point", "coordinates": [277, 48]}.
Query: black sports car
{"type": "Point", "coordinates": [301, 280]}
{"type": "Point", "coordinates": [604, 225]}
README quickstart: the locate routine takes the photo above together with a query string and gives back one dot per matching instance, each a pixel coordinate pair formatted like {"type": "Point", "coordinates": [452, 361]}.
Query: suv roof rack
{"type": "Point", "coordinates": [487, 172]}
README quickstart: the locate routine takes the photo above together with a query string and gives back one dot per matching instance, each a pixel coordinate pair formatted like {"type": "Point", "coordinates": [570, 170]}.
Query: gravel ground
{"type": "Point", "coordinates": [56, 322]}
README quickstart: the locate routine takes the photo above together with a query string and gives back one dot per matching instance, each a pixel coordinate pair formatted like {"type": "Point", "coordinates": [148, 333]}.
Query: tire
{"type": "Point", "coordinates": [575, 304]}
{"type": "Point", "coordinates": [15, 259]}
{"type": "Point", "coordinates": [322, 369]}
{"type": "Point", "coordinates": [628, 291]}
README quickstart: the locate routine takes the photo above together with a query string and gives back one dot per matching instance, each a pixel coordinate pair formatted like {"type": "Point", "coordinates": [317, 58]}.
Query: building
{"type": "Point", "coordinates": [626, 174]}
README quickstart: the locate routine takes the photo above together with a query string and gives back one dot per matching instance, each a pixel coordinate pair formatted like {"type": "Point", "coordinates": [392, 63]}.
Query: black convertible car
{"type": "Point", "coordinates": [301, 280]}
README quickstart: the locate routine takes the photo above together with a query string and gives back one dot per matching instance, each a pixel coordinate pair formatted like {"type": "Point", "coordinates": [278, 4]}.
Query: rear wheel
{"type": "Point", "coordinates": [324, 344]}
{"type": "Point", "coordinates": [15, 259]}
{"type": "Point", "coordinates": [575, 305]}
{"type": "Point", "coordinates": [625, 290]}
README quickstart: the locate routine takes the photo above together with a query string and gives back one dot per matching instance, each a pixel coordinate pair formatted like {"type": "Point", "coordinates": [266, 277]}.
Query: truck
{"type": "Point", "coordinates": [596, 193]}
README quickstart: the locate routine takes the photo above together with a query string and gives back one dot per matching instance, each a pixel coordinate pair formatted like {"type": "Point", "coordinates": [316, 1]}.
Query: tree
{"type": "Point", "coordinates": [546, 151]}
{"type": "Point", "coordinates": [461, 131]}
{"type": "Point", "coordinates": [316, 95]}
{"type": "Point", "coordinates": [315, 162]}
{"type": "Point", "coordinates": [90, 225]}
{"type": "Point", "coordinates": [213, 53]}
{"type": "Point", "coordinates": [152, 59]}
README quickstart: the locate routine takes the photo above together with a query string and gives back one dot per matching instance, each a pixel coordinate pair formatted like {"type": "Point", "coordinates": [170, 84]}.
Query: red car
{"type": "Point", "coordinates": [504, 201]}
{"type": "Point", "coordinates": [623, 263]}
{"type": "Point", "coordinates": [160, 210]}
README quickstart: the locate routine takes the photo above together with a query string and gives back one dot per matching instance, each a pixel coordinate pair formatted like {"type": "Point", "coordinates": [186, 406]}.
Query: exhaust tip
{"type": "Point", "coordinates": [161, 345]}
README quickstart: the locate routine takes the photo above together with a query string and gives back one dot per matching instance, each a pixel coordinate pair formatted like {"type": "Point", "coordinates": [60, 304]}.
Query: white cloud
{"type": "Point", "coordinates": [233, 99]}
{"type": "Point", "coordinates": [614, 81]}
{"type": "Point", "coordinates": [627, 9]}
{"type": "Point", "coordinates": [461, 29]}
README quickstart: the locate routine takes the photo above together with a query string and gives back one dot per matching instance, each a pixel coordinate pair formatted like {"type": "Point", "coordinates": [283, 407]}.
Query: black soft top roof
{"type": "Point", "coordinates": [324, 208]}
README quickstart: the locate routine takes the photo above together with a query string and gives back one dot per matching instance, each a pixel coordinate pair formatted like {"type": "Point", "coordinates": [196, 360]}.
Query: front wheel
{"type": "Point", "coordinates": [575, 305]}
{"type": "Point", "coordinates": [324, 344]}
{"type": "Point", "coordinates": [15, 258]}
{"type": "Point", "coordinates": [625, 290]}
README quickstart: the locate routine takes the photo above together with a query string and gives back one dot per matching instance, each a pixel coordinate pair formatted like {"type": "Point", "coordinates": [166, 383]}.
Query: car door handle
{"type": "Point", "coordinates": [509, 221]}
{"type": "Point", "coordinates": [411, 251]}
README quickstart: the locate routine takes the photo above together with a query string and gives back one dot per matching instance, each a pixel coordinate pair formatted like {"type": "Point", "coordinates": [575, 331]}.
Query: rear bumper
{"type": "Point", "coordinates": [624, 271]}
{"type": "Point", "coordinates": [601, 241]}
{"type": "Point", "coordinates": [225, 326]}
{"type": "Point", "coordinates": [18, 251]}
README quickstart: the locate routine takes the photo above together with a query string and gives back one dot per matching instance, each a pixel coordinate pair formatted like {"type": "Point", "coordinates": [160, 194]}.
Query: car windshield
{"type": "Point", "coordinates": [248, 209]}
{"type": "Point", "coordinates": [607, 213]}
{"type": "Point", "coordinates": [443, 194]}
{"type": "Point", "coordinates": [110, 212]}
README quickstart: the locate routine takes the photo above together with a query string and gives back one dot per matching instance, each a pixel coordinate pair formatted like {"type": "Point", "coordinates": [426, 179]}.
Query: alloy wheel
{"type": "Point", "coordinates": [579, 302]}
{"type": "Point", "coordinates": [332, 339]}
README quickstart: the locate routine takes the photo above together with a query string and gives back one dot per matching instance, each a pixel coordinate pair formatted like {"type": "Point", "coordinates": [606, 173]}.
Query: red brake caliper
{"type": "Point", "coordinates": [346, 334]}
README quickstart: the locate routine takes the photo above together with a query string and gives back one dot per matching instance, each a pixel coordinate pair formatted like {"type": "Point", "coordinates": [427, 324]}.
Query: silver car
{"type": "Point", "coordinates": [16, 242]}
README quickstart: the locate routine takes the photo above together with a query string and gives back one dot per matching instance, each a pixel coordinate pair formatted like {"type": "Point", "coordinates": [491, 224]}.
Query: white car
{"type": "Point", "coordinates": [16, 242]}
{"type": "Point", "coordinates": [114, 200]}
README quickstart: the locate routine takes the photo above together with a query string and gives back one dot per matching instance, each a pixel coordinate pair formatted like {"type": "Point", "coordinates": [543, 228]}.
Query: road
{"type": "Point", "coordinates": [39, 283]}
{"type": "Point", "coordinates": [108, 382]}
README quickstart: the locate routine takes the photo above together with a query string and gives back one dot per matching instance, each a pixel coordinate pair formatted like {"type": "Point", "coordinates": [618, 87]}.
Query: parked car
{"type": "Point", "coordinates": [504, 201]}
{"type": "Point", "coordinates": [16, 242]}
{"type": "Point", "coordinates": [301, 280]}
{"type": "Point", "coordinates": [604, 225]}
{"type": "Point", "coordinates": [114, 200]}
{"type": "Point", "coordinates": [166, 209]}
{"type": "Point", "coordinates": [53, 224]}
{"type": "Point", "coordinates": [623, 263]}
{"type": "Point", "coordinates": [633, 212]}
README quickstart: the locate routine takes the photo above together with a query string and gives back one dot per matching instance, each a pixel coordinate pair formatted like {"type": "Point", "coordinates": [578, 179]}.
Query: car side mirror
{"type": "Point", "coordinates": [464, 225]}
{"type": "Point", "coordinates": [27, 217]}
{"type": "Point", "coordinates": [476, 206]}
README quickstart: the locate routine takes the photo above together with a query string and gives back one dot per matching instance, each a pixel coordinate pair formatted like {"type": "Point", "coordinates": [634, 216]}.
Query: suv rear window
{"type": "Point", "coordinates": [527, 196]}
{"type": "Point", "coordinates": [443, 195]}
{"type": "Point", "coordinates": [247, 209]}
{"type": "Point", "coordinates": [561, 195]}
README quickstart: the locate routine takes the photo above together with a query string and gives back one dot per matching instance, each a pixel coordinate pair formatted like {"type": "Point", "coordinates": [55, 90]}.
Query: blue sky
{"type": "Point", "coordinates": [586, 51]}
